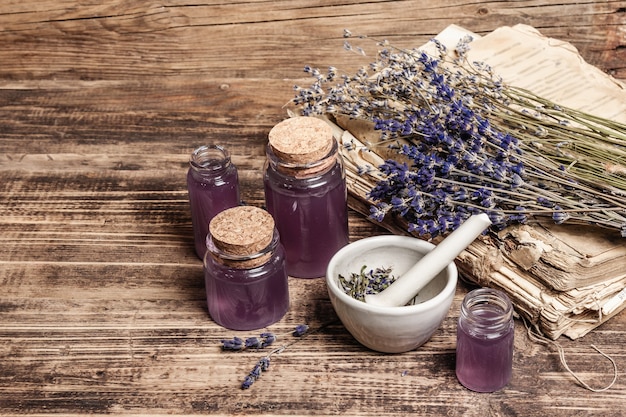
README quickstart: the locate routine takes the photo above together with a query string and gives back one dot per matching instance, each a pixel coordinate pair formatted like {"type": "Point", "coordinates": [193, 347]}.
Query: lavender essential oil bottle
{"type": "Point", "coordinates": [244, 269]}
{"type": "Point", "coordinates": [485, 332]}
{"type": "Point", "coordinates": [306, 193]}
{"type": "Point", "coordinates": [212, 184]}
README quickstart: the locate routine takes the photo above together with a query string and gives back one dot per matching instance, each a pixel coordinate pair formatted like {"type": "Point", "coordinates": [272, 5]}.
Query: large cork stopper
{"type": "Point", "coordinates": [242, 231]}
{"type": "Point", "coordinates": [301, 140]}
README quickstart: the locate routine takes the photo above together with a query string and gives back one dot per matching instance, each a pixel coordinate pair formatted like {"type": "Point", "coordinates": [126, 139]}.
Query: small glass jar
{"type": "Point", "coordinates": [212, 184]}
{"type": "Point", "coordinates": [305, 191]}
{"type": "Point", "coordinates": [244, 270]}
{"type": "Point", "coordinates": [485, 332]}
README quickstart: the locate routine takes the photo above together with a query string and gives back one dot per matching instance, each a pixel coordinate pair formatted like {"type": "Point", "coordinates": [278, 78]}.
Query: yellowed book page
{"type": "Point", "coordinates": [551, 68]}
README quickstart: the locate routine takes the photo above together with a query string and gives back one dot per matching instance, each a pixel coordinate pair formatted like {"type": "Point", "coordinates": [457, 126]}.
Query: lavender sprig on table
{"type": "Point", "coordinates": [265, 339]}
{"type": "Point", "coordinates": [465, 143]}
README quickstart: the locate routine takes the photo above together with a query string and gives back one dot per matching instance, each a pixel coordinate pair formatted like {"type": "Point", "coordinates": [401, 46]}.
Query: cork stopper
{"type": "Point", "coordinates": [301, 140]}
{"type": "Point", "coordinates": [242, 234]}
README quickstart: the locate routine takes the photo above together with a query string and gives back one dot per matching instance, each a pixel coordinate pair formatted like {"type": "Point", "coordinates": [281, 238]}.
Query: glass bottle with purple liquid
{"type": "Point", "coordinates": [485, 332]}
{"type": "Point", "coordinates": [306, 193]}
{"type": "Point", "coordinates": [212, 184]}
{"type": "Point", "coordinates": [244, 270]}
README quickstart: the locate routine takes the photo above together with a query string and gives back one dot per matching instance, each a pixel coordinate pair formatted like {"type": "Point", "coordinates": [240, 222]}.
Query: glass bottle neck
{"type": "Point", "coordinates": [209, 160]}
{"type": "Point", "coordinates": [486, 312]}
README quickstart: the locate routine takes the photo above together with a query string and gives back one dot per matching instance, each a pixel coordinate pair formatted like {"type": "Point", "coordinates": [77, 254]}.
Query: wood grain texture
{"type": "Point", "coordinates": [102, 305]}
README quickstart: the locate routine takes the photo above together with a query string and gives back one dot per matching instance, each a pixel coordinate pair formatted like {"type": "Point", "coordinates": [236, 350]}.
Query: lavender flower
{"type": "Point", "coordinates": [365, 282]}
{"type": "Point", "coordinates": [235, 343]}
{"type": "Point", "coordinates": [262, 365]}
{"type": "Point", "coordinates": [467, 143]}
{"type": "Point", "coordinates": [264, 340]}
{"type": "Point", "coordinates": [253, 342]}
{"type": "Point", "coordinates": [247, 382]}
{"type": "Point", "coordinates": [300, 330]}
{"type": "Point", "coordinates": [268, 339]}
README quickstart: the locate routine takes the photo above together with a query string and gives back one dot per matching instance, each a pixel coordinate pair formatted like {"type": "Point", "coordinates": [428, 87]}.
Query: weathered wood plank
{"type": "Point", "coordinates": [142, 39]}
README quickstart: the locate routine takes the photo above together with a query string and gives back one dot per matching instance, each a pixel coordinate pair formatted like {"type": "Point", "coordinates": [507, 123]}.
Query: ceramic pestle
{"type": "Point", "coordinates": [407, 286]}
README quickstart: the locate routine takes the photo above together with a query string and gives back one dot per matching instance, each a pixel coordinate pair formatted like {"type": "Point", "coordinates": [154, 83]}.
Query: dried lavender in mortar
{"type": "Point", "coordinates": [367, 281]}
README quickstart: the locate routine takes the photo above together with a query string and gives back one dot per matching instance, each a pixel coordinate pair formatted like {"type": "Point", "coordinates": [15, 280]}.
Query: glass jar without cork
{"type": "Point", "coordinates": [485, 333]}
{"type": "Point", "coordinates": [306, 193]}
{"type": "Point", "coordinates": [244, 266]}
{"type": "Point", "coordinates": [212, 184]}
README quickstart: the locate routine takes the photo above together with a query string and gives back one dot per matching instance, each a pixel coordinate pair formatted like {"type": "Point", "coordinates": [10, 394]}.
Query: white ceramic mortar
{"type": "Point", "coordinates": [390, 329]}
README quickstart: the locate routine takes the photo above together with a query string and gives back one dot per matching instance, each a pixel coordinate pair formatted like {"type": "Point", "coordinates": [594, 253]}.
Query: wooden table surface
{"type": "Point", "coordinates": [102, 303]}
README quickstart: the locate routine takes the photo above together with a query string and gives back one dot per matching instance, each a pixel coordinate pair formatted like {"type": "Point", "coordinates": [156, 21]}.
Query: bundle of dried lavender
{"type": "Point", "coordinates": [462, 142]}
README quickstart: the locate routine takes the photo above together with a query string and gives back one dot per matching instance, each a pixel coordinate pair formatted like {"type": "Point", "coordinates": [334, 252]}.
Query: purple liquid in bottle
{"type": "Point", "coordinates": [485, 332]}
{"type": "Point", "coordinates": [309, 203]}
{"type": "Point", "coordinates": [245, 291]}
{"type": "Point", "coordinates": [212, 184]}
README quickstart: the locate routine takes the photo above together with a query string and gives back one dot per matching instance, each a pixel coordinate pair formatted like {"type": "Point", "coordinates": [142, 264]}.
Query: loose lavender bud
{"type": "Point", "coordinates": [262, 365]}
{"type": "Point", "coordinates": [254, 342]}
{"type": "Point", "coordinates": [559, 216]}
{"type": "Point", "coordinates": [256, 371]}
{"type": "Point", "coordinates": [235, 343]}
{"type": "Point", "coordinates": [265, 363]}
{"type": "Point", "coordinates": [268, 338]}
{"type": "Point", "coordinates": [300, 330]}
{"type": "Point", "coordinates": [247, 382]}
